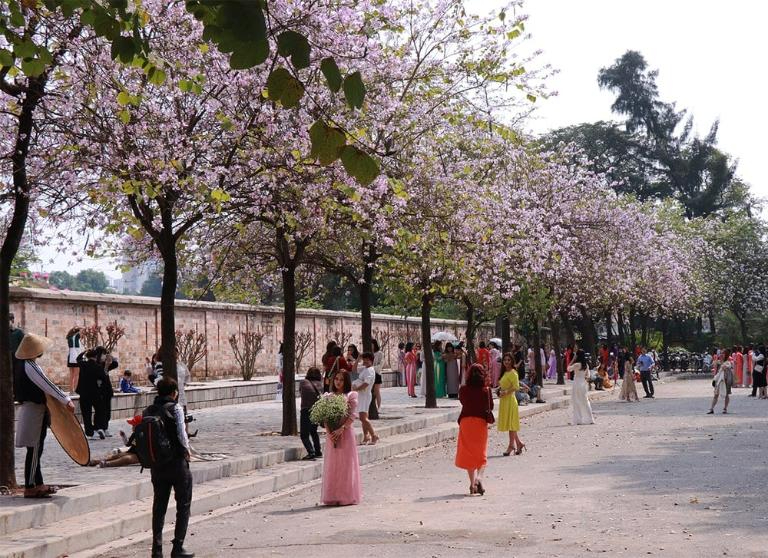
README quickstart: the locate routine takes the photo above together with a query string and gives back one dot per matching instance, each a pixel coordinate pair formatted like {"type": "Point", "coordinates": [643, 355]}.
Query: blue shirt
{"type": "Point", "coordinates": [644, 362]}
{"type": "Point", "coordinates": [126, 386]}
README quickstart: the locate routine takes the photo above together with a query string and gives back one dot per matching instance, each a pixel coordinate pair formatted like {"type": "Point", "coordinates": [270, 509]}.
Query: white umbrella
{"type": "Point", "coordinates": [497, 341]}
{"type": "Point", "coordinates": [443, 336]}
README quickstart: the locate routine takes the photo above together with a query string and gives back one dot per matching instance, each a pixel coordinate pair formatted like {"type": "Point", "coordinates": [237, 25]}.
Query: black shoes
{"type": "Point", "coordinates": [180, 552]}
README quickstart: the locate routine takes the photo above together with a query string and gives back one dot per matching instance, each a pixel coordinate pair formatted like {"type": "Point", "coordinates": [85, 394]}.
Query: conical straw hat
{"type": "Point", "coordinates": [32, 346]}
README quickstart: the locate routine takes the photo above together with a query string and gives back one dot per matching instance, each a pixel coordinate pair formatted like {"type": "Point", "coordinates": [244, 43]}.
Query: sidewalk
{"type": "Point", "coordinates": [104, 504]}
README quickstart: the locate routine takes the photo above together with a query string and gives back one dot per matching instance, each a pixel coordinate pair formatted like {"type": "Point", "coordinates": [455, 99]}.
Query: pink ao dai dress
{"type": "Point", "coordinates": [341, 466]}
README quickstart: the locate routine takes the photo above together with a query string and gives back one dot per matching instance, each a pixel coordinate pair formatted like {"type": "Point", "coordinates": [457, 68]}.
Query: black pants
{"type": "Point", "coordinates": [307, 430]}
{"type": "Point", "coordinates": [87, 407]}
{"type": "Point", "coordinates": [102, 417]}
{"type": "Point", "coordinates": [33, 476]}
{"type": "Point", "coordinates": [647, 380]}
{"type": "Point", "coordinates": [174, 475]}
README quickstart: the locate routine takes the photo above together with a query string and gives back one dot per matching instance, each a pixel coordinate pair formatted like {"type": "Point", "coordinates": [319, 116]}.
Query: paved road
{"type": "Point", "coordinates": [658, 477]}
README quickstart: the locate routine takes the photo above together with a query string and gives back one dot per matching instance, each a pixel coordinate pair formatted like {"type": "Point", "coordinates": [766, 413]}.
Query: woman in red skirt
{"type": "Point", "coordinates": [476, 409]}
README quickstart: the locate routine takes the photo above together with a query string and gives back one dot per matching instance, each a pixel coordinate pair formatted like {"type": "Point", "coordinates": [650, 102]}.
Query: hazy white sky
{"type": "Point", "coordinates": [711, 58]}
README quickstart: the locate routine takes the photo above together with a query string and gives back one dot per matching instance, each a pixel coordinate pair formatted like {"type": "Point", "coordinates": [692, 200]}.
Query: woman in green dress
{"type": "Point", "coordinates": [437, 350]}
{"type": "Point", "coordinates": [509, 417]}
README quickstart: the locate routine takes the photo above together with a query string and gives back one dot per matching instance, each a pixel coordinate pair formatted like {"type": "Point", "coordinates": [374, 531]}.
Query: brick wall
{"type": "Point", "coordinates": [53, 313]}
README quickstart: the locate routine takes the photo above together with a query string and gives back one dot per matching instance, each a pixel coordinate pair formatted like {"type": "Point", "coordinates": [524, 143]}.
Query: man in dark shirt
{"type": "Point", "coordinates": [173, 474]}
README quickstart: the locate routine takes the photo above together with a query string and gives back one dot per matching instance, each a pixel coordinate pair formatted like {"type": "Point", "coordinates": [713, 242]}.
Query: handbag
{"type": "Point", "coordinates": [489, 418]}
{"type": "Point", "coordinates": [331, 373]}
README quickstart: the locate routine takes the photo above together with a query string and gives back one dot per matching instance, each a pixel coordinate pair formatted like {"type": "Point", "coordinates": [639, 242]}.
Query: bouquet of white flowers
{"type": "Point", "coordinates": [330, 410]}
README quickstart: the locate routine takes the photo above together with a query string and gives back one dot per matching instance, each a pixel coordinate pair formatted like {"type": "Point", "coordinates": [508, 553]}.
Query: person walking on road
{"type": "Point", "coordinates": [341, 466]}
{"type": "Point", "coordinates": [311, 389]}
{"type": "Point", "coordinates": [645, 365]}
{"type": "Point", "coordinates": [723, 382]}
{"type": "Point", "coordinates": [173, 474]}
{"type": "Point", "coordinates": [628, 388]}
{"type": "Point", "coordinates": [582, 409]}
{"type": "Point", "coordinates": [476, 413]}
{"type": "Point", "coordinates": [509, 415]}
{"type": "Point", "coordinates": [30, 388]}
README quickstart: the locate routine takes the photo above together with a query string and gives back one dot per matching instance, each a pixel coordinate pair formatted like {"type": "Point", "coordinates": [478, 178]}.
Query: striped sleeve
{"type": "Point", "coordinates": [181, 431]}
{"type": "Point", "coordinates": [38, 377]}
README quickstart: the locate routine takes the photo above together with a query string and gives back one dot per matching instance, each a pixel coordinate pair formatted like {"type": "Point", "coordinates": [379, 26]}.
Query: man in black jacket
{"type": "Point", "coordinates": [173, 474]}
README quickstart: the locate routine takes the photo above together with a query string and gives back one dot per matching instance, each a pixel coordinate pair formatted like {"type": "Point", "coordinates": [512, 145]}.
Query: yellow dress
{"type": "Point", "coordinates": [509, 417]}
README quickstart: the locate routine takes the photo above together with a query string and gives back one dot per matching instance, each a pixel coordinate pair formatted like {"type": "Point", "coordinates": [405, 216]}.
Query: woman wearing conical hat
{"type": "Point", "coordinates": [30, 386]}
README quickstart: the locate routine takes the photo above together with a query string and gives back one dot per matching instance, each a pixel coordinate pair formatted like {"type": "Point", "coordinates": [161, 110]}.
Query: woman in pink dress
{"type": "Point", "coordinates": [341, 466]}
{"type": "Point", "coordinates": [495, 364]}
{"type": "Point", "coordinates": [411, 358]}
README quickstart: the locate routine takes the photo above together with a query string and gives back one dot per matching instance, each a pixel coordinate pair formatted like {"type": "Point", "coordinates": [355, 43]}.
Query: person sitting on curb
{"type": "Point", "coordinates": [126, 384]}
{"type": "Point", "coordinates": [120, 457]}
{"type": "Point", "coordinates": [534, 389]}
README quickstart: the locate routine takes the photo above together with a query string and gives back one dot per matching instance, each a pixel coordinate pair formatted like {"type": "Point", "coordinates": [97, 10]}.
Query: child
{"type": "Point", "coordinates": [126, 384]}
{"type": "Point", "coordinates": [120, 457]}
{"type": "Point", "coordinates": [363, 386]}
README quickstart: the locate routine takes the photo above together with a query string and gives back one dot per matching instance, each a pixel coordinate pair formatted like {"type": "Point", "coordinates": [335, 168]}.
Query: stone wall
{"type": "Point", "coordinates": [53, 313]}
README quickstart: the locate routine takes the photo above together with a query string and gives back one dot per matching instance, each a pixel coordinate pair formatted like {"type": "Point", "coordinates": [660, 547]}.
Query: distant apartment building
{"type": "Point", "coordinates": [133, 279]}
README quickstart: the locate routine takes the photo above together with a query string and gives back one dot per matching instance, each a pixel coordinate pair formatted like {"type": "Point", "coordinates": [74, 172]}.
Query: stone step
{"type": "Point", "coordinates": [66, 525]}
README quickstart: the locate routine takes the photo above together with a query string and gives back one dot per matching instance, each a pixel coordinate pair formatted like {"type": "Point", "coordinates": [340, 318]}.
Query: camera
{"type": "Point", "coordinates": [188, 418]}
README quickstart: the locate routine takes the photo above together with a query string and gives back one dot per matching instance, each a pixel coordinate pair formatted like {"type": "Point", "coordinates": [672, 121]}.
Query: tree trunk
{"type": "Point", "coordinates": [167, 249]}
{"type": "Point", "coordinates": [288, 275]}
{"type": "Point", "coordinates": [644, 326]}
{"type": "Point", "coordinates": [588, 336]}
{"type": "Point", "coordinates": [742, 327]}
{"type": "Point", "coordinates": [366, 318]}
{"type": "Point", "coordinates": [632, 322]}
{"type": "Point", "coordinates": [469, 332]}
{"type": "Point", "coordinates": [570, 337]}
{"type": "Point", "coordinates": [699, 326]}
{"type": "Point", "coordinates": [506, 335]}
{"type": "Point", "coordinates": [554, 325]}
{"type": "Point", "coordinates": [712, 328]}
{"type": "Point", "coordinates": [429, 358]}
{"type": "Point", "coordinates": [622, 330]}
{"type": "Point", "coordinates": [11, 242]}
{"type": "Point", "coordinates": [537, 353]}
{"type": "Point", "coordinates": [609, 327]}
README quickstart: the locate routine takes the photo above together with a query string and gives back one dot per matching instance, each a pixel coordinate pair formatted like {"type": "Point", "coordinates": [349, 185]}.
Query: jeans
{"type": "Point", "coordinates": [647, 379]}
{"type": "Point", "coordinates": [309, 430]}
{"type": "Point", "coordinates": [173, 475]}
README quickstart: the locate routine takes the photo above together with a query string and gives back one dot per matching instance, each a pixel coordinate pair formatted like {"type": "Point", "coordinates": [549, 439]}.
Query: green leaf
{"type": "Point", "coordinates": [123, 98]}
{"type": "Point", "coordinates": [531, 98]}
{"type": "Point", "coordinates": [25, 49]}
{"type": "Point", "coordinates": [359, 164]}
{"type": "Point", "coordinates": [157, 77]}
{"type": "Point", "coordinates": [123, 48]}
{"type": "Point", "coordinates": [124, 116]}
{"type": "Point", "coordinates": [295, 45]}
{"type": "Point", "coordinates": [354, 90]}
{"type": "Point", "coordinates": [6, 58]}
{"type": "Point", "coordinates": [33, 67]}
{"type": "Point", "coordinates": [248, 55]}
{"type": "Point", "coordinates": [283, 87]}
{"type": "Point", "coordinates": [332, 74]}
{"type": "Point", "coordinates": [327, 142]}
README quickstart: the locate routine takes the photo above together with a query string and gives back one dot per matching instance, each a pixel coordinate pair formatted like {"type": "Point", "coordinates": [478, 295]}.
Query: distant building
{"type": "Point", "coordinates": [134, 278]}
{"type": "Point", "coordinates": [116, 284]}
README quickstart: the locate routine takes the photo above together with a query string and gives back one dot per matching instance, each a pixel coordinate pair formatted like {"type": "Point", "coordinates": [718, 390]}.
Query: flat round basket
{"type": "Point", "coordinates": [68, 432]}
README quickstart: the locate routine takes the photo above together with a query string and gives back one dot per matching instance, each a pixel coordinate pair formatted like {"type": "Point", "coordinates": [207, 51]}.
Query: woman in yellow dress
{"type": "Point", "coordinates": [509, 417]}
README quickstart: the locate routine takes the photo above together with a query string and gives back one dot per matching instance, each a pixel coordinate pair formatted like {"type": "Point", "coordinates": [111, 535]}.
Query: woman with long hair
{"type": "Point", "coordinates": [341, 466]}
{"type": "Point", "coordinates": [494, 364]}
{"type": "Point", "coordinates": [723, 382]}
{"type": "Point", "coordinates": [509, 415]}
{"type": "Point", "coordinates": [476, 413]}
{"type": "Point", "coordinates": [628, 388]}
{"type": "Point", "coordinates": [437, 353]}
{"type": "Point", "coordinates": [410, 359]}
{"type": "Point", "coordinates": [582, 409]}
{"type": "Point", "coordinates": [452, 371]}
{"type": "Point", "coordinates": [378, 363]}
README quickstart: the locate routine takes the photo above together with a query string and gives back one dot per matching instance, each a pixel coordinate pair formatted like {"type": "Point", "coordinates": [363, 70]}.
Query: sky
{"type": "Point", "coordinates": [711, 58]}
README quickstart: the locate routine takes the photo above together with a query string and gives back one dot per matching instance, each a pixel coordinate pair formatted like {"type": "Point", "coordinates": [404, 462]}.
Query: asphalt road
{"type": "Point", "coordinates": [658, 477]}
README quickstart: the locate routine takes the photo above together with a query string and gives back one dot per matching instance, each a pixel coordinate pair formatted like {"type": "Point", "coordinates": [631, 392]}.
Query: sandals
{"type": "Point", "coordinates": [472, 489]}
{"type": "Point", "coordinates": [510, 451]}
{"type": "Point", "coordinates": [41, 491]}
{"type": "Point", "coordinates": [480, 489]}
{"type": "Point", "coordinates": [520, 449]}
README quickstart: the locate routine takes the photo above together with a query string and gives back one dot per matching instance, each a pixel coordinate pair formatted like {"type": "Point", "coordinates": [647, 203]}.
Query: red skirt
{"type": "Point", "coordinates": [472, 448]}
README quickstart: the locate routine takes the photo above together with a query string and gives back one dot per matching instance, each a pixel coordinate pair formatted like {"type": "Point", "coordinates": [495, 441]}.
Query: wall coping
{"type": "Point", "coordinates": [31, 293]}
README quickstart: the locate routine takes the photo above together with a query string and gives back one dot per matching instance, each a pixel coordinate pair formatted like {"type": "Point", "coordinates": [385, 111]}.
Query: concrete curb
{"type": "Point", "coordinates": [97, 515]}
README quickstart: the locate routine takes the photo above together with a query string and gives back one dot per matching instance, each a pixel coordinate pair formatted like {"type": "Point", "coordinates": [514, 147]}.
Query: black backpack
{"type": "Point", "coordinates": [153, 445]}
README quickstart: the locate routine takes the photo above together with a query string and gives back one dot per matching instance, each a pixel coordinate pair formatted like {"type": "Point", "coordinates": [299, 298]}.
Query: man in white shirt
{"type": "Point", "coordinates": [364, 386]}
